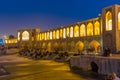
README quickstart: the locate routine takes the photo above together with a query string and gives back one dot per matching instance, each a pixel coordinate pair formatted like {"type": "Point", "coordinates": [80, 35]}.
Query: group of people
{"type": "Point", "coordinates": [36, 53]}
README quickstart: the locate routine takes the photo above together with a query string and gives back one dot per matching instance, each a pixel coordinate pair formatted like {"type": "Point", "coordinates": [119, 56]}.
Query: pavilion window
{"type": "Point", "coordinates": [90, 29]}
{"type": "Point", "coordinates": [82, 30]}
{"type": "Point", "coordinates": [97, 28]}
{"type": "Point", "coordinates": [108, 21]}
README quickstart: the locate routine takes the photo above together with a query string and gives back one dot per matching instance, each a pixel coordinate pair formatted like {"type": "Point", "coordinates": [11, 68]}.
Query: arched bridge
{"type": "Point", "coordinates": [100, 64]}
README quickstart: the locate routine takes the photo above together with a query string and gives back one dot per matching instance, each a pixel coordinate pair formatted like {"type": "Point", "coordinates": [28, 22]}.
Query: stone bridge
{"type": "Point", "coordinates": [100, 64]}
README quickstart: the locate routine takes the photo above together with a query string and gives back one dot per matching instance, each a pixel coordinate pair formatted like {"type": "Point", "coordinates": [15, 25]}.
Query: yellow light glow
{"type": "Point", "coordinates": [64, 33]}
{"type": "Point", "coordinates": [18, 35]}
{"type": "Point", "coordinates": [108, 21]}
{"type": "Point", "coordinates": [119, 21]}
{"type": "Point", "coordinates": [25, 35]}
{"type": "Point", "coordinates": [67, 32]}
{"type": "Point", "coordinates": [50, 35]}
{"type": "Point", "coordinates": [53, 34]}
{"type": "Point", "coordinates": [61, 32]}
{"type": "Point", "coordinates": [89, 29]}
{"type": "Point", "coordinates": [76, 31]}
{"type": "Point", "coordinates": [71, 32]}
{"type": "Point", "coordinates": [97, 28]}
{"type": "Point", "coordinates": [57, 34]}
{"type": "Point", "coordinates": [82, 30]}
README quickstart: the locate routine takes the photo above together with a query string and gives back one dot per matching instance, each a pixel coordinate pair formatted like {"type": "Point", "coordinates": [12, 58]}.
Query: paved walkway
{"type": "Point", "coordinates": [24, 69]}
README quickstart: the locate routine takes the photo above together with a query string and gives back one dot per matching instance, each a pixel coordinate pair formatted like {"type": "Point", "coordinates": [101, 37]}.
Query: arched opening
{"type": "Point", "coordinates": [69, 46]}
{"type": "Point", "coordinates": [97, 28]}
{"type": "Point", "coordinates": [89, 29]}
{"type": "Point", "coordinates": [62, 46]}
{"type": "Point", "coordinates": [43, 36]}
{"type": "Point", "coordinates": [67, 32]}
{"type": "Point", "coordinates": [49, 46]}
{"type": "Point", "coordinates": [56, 46]}
{"type": "Point", "coordinates": [53, 34]}
{"type": "Point", "coordinates": [64, 33]}
{"type": "Point", "coordinates": [119, 21]}
{"type": "Point", "coordinates": [108, 21]}
{"type": "Point", "coordinates": [48, 35]}
{"type": "Point", "coordinates": [61, 32]}
{"type": "Point", "coordinates": [94, 45]}
{"type": "Point", "coordinates": [25, 35]}
{"type": "Point", "coordinates": [57, 34]}
{"type": "Point", "coordinates": [82, 30]}
{"type": "Point", "coordinates": [18, 36]}
{"type": "Point", "coordinates": [44, 46]}
{"type": "Point", "coordinates": [71, 32]}
{"type": "Point", "coordinates": [79, 46]}
{"type": "Point", "coordinates": [76, 31]}
{"type": "Point", "coordinates": [94, 67]}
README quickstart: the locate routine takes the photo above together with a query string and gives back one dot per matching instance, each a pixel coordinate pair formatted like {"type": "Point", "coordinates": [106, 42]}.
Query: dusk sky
{"type": "Point", "coordinates": [47, 14]}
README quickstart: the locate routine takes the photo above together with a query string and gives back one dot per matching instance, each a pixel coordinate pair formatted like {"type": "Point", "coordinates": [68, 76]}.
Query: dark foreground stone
{"type": "Point", "coordinates": [3, 70]}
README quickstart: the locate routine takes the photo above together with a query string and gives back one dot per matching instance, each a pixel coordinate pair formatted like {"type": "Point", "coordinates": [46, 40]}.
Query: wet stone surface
{"type": "Point", "coordinates": [24, 69]}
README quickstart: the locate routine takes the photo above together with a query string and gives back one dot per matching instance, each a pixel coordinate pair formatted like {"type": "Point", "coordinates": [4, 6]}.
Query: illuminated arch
{"type": "Point", "coordinates": [18, 36]}
{"type": "Point", "coordinates": [61, 32]}
{"type": "Point", "coordinates": [71, 32]}
{"type": "Point", "coordinates": [44, 45]}
{"type": "Point", "coordinates": [89, 29]}
{"type": "Point", "coordinates": [43, 36]}
{"type": "Point", "coordinates": [62, 46]}
{"type": "Point", "coordinates": [69, 46]}
{"type": "Point", "coordinates": [53, 34]}
{"type": "Point", "coordinates": [48, 36]}
{"type": "Point", "coordinates": [49, 46]}
{"type": "Point", "coordinates": [57, 34]}
{"type": "Point", "coordinates": [82, 30]}
{"type": "Point", "coordinates": [108, 21]}
{"type": "Point", "coordinates": [64, 33]}
{"type": "Point", "coordinates": [97, 28]}
{"type": "Point", "coordinates": [76, 31]}
{"type": "Point", "coordinates": [119, 21]}
{"type": "Point", "coordinates": [94, 44]}
{"type": "Point", "coordinates": [25, 35]}
{"type": "Point", "coordinates": [56, 46]}
{"type": "Point", "coordinates": [67, 32]}
{"type": "Point", "coordinates": [79, 46]}
{"type": "Point", "coordinates": [40, 36]}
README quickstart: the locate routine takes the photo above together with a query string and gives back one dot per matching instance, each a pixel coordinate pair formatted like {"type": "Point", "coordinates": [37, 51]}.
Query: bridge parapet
{"type": "Point", "coordinates": [104, 65]}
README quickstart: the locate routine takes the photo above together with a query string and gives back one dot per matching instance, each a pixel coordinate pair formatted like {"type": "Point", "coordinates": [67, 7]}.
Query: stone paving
{"type": "Point", "coordinates": [25, 69]}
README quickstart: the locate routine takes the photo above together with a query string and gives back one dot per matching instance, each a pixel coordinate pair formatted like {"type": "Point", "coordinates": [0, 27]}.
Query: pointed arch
{"type": "Point", "coordinates": [76, 31]}
{"type": "Point", "coordinates": [25, 35]}
{"type": "Point", "coordinates": [90, 29]}
{"type": "Point", "coordinates": [57, 34]}
{"type": "Point", "coordinates": [108, 21]}
{"type": "Point", "coordinates": [82, 30]}
{"type": "Point", "coordinates": [97, 28]}
{"type": "Point", "coordinates": [119, 21]}
{"type": "Point", "coordinates": [71, 31]}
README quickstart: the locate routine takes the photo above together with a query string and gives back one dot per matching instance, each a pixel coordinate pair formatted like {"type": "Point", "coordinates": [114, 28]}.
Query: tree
{"type": "Point", "coordinates": [11, 36]}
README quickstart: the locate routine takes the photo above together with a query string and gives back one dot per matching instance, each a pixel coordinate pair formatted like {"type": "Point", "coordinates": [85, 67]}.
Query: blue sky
{"type": "Point", "coordinates": [47, 14]}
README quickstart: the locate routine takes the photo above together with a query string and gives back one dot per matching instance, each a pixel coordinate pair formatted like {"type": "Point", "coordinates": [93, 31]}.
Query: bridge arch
{"type": "Point", "coordinates": [49, 46]}
{"type": "Point", "coordinates": [56, 46]}
{"type": "Point", "coordinates": [95, 45]}
{"type": "Point", "coordinates": [94, 66]}
{"type": "Point", "coordinates": [79, 46]}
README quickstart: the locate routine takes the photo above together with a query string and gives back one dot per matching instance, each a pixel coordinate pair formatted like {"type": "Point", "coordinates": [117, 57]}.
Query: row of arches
{"type": "Point", "coordinates": [71, 46]}
{"type": "Point", "coordinates": [89, 29]}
